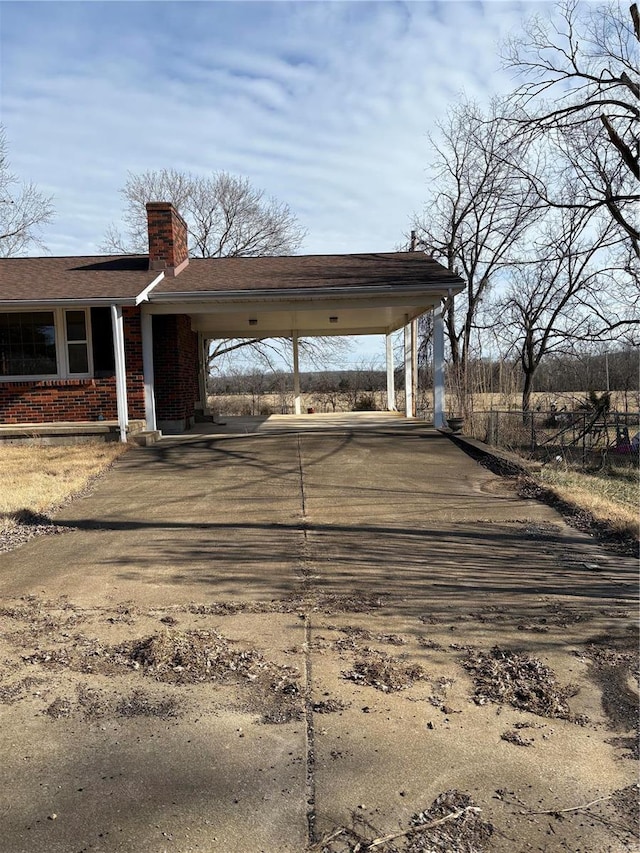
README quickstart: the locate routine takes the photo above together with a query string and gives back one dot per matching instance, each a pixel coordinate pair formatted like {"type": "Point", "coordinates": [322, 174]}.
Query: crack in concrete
{"type": "Point", "coordinates": [304, 571]}
{"type": "Point", "coordinates": [310, 736]}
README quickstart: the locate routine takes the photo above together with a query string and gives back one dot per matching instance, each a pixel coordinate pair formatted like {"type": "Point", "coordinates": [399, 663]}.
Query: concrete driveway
{"type": "Point", "coordinates": [318, 545]}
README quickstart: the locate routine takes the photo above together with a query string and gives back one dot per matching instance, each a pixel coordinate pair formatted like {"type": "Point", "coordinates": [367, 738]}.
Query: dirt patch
{"type": "Point", "coordinates": [191, 656]}
{"type": "Point", "coordinates": [513, 678]}
{"type": "Point", "coordinates": [180, 658]}
{"type": "Point", "coordinates": [514, 737]}
{"type": "Point", "coordinates": [183, 657]}
{"type": "Point", "coordinates": [59, 708]}
{"type": "Point", "coordinates": [13, 692]}
{"type": "Point", "coordinates": [139, 704]}
{"type": "Point", "coordinates": [427, 643]}
{"type": "Point", "coordinates": [93, 704]}
{"type": "Point", "coordinates": [328, 706]}
{"type": "Point", "coordinates": [328, 603]}
{"type": "Point", "coordinates": [32, 618]}
{"type": "Point", "coordinates": [440, 689]}
{"type": "Point", "coordinates": [385, 673]}
{"type": "Point", "coordinates": [626, 803]}
{"type": "Point", "coordinates": [369, 636]}
{"type": "Point", "coordinates": [614, 666]}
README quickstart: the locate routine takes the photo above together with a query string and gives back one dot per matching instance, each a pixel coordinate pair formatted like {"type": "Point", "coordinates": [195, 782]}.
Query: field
{"type": "Point", "coordinates": [262, 403]}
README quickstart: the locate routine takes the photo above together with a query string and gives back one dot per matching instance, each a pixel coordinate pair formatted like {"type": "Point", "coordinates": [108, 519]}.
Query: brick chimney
{"type": "Point", "coordinates": [168, 249]}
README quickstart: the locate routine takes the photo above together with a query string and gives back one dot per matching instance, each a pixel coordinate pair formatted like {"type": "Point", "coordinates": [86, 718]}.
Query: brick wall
{"type": "Point", "coordinates": [167, 236]}
{"type": "Point", "coordinates": [51, 400]}
{"type": "Point", "coordinates": [175, 359]}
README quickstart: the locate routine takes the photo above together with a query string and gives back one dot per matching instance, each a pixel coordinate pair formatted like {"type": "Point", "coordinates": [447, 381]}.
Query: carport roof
{"type": "Point", "coordinates": [384, 271]}
{"type": "Point", "coordinates": [310, 295]}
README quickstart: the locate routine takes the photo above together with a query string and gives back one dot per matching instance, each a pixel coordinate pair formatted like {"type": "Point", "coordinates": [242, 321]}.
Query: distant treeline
{"type": "Point", "coordinates": [557, 373]}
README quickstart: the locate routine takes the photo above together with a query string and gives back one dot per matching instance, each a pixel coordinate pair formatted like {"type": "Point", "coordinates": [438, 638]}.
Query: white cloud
{"type": "Point", "coordinates": [326, 105]}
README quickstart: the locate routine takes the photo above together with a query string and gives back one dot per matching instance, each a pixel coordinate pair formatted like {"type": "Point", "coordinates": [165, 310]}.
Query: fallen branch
{"type": "Point", "coordinates": [572, 808]}
{"type": "Point", "coordinates": [336, 834]}
{"type": "Point", "coordinates": [378, 842]}
{"type": "Point", "coordinates": [385, 839]}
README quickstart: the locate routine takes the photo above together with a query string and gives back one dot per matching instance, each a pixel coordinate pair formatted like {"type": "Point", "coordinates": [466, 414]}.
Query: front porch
{"type": "Point", "coordinates": [68, 432]}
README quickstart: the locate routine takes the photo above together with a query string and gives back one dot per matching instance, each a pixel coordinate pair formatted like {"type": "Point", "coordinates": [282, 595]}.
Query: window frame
{"type": "Point", "coordinates": [61, 343]}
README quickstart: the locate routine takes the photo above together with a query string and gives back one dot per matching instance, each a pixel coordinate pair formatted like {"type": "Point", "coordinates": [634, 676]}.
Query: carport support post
{"type": "Point", "coordinates": [203, 347]}
{"type": "Point", "coordinates": [391, 387]}
{"type": "Point", "coordinates": [408, 379]}
{"type": "Point", "coordinates": [117, 325]}
{"type": "Point", "coordinates": [438, 367]}
{"type": "Point", "coordinates": [414, 368]}
{"type": "Point", "coordinates": [296, 374]}
{"type": "Point", "coordinates": [147, 367]}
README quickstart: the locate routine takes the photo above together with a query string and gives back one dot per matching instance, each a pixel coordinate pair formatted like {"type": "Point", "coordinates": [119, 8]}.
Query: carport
{"type": "Point", "coordinates": [306, 296]}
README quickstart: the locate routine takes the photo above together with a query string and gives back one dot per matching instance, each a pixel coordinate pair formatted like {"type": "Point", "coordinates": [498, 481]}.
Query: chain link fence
{"type": "Point", "coordinates": [587, 438]}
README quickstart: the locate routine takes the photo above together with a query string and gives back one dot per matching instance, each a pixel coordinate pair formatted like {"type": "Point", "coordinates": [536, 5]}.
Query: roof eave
{"type": "Point", "coordinates": [69, 302]}
{"type": "Point", "coordinates": [443, 287]}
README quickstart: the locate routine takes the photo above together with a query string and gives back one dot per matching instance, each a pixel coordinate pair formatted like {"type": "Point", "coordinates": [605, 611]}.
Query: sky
{"type": "Point", "coordinates": [325, 106]}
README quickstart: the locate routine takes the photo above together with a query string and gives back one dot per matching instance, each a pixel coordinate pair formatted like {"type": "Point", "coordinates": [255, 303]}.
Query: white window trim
{"type": "Point", "coordinates": [62, 353]}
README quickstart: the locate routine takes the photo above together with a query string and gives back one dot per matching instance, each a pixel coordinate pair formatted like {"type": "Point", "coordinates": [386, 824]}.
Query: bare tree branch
{"type": "Point", "coordinates": [480, 208]}
{"type": "Point", "coordinates": [23, 209]}
{"type": "Point", "coordinates": [580, 94]}
{"type": "Point", "coordinates": [225, 215]}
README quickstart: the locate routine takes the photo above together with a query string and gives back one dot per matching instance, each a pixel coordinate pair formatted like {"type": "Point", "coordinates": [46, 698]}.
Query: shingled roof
{"type": "Point", "coordinates": [118, 278]}
{"type": "Point", "coordinates": [307, 273]}
{"type": "Point", "coordinates": [123, 278]}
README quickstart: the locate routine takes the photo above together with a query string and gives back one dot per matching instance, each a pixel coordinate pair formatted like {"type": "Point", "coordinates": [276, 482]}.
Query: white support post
{"type": "Point", "coordinates": [297, 408]}
{"type": "Point", "coordinates": [391, 385]}
{"type": "Point", "coordinates": [438, 368]}
{"type": "Point", "coordinates": [147, 366]}
{"type": "Point", "coordinates": [117, 325]}
{"type": "Point", "coordinates": [414, 368]}
{"type": "Point", "coordinates": [202, 371]}
{"type": "Point", "coordinates": [408, 380]}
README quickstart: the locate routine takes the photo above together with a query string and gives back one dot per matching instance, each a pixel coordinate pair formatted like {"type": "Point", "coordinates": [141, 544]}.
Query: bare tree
{"type": "Point", "coordinates": [225, 215]}
{"type": "Point", "coordinates": [479, 209]}
{"type": "Point", "coordinates": [23, 209]}
{"type": "Point", "coordinates": [580, 93]}
{"type": "Point", "coordinates": [550, 300]}
{"type": "Point", "coordinates": [271, 353]}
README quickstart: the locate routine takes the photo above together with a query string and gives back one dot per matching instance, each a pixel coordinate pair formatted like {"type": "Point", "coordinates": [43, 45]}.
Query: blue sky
{"type": "Point", "coordinates": [324, 105]}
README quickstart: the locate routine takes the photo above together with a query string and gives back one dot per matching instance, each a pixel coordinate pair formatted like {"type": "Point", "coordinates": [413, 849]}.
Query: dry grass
{"type": "Point", "coordinates": [621, 401]}
{"type": "Point", "coordinates": [40, 478]}
{"type": "Point", "coordinates": [610, 496]}
{"type": "Point", "coordinates": [267, 403]}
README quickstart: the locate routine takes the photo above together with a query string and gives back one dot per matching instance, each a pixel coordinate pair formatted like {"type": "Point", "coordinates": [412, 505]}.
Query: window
{"type": "Point", "coordinates": [77, 344]}
{"type": "Point", "coordinates": [28, 344]}
{"type": "Point", "coordinates": [44, 344]}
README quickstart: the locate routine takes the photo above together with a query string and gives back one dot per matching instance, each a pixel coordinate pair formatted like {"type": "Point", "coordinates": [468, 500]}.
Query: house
{"type": "Point", "coordinates": [124, 338]}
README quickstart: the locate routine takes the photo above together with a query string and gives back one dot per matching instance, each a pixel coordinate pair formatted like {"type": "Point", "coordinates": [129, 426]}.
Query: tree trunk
{"type": "Point", "coordinates": [527, 388]}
